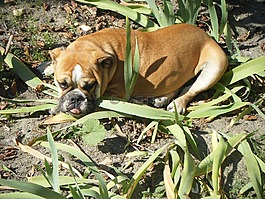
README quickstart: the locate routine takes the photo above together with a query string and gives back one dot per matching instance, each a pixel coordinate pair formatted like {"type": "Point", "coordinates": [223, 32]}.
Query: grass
{"type": "Point", "coordinates": [184, 165]}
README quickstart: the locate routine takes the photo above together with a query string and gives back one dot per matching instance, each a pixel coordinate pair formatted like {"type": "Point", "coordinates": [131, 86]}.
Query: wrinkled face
{"type": "Point", "coordinates": [81, 77]}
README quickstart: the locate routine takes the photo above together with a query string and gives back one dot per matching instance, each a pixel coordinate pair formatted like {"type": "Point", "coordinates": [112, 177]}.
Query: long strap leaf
{"type": "Point", "coordinates": [32, 188]}
{"type": "Point", "coordinates": [125, 11]}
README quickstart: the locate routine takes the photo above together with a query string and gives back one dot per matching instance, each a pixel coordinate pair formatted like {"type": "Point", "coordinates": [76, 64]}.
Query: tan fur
{"type": "Point", "coordinates": [169, 57]}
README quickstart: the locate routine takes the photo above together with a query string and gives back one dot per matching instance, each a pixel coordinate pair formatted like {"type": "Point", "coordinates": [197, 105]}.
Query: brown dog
{"type": "Point", "coordinates": [92, 66]}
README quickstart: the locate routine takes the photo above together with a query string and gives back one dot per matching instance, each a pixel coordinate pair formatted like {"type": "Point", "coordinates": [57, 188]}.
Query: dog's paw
{"type": "Point", "coordinates": [46, 68]}
{"type": "Point", "coordinates": [160, 102]}
{"type": "Point", "coordinates": [180, 106]}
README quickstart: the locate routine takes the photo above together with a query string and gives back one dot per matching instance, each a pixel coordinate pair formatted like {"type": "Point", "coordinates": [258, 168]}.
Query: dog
{"type": "Point", "coordinates": [93, 66]}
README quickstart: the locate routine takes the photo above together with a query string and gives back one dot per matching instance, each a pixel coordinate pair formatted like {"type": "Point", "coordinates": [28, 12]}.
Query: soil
{"type": "Point", "coordinates": [39, 26]}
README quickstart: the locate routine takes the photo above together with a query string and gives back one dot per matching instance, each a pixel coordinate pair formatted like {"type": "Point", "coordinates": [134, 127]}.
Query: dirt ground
{"type": "Point", "coordinates": [38, 27]}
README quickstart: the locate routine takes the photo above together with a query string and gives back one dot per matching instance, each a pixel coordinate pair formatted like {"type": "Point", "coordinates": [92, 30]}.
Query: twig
{"type": "Point", "coordinates": [8, 45]}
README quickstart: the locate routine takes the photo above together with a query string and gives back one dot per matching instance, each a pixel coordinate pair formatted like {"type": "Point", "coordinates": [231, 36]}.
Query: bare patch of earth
{"type": "Point", "coordinates": [40, 26]}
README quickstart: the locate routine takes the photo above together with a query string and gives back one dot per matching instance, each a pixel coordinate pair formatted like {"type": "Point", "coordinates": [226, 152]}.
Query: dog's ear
{"type": "Point", "coordinates": [55, 53]}
{"type": "Point", "coordinates": [106, 61]}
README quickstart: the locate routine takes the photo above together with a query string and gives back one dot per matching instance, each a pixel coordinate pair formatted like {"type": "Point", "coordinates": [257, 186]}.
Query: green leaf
{"type": "Point", "coordinates": [217, 100]}
{"type": "Point", "coordinates": [218, 158]}
{"type": "Point", "coordinates": [175, 166]}
{"type": "Point", "coordinates": [91, 192]}
{"type": "Point", "coordinates": [254, 106]}
{"type": "Point", "coordinates": [88, 162]}
{"type": "Point", "coordinates": [95, 115]}
{"type": "Point", "coordinates": [93, 132]}
{"type": "Point", "coordinates": [158, 13]}
{"type": "Point", "coordinates": [244, 70]}
{"type": "Point", "coordinates": [30, 109]}
{"type": "Point", "coordinates": [131, 68]}
{"type": "Point", "coordinates": [55, 164]}
{"type": "Point", "coordinates": [74, 193]}
{"type": "Point", "coordinates": [178, 132]}
{"type": "Point", "coordinates": [224, 16]}
{"type": "Point", "coordinates": [188, 174]}
{"type": "Point", "coordinates": [212, 197]}
{"type": "Point", "coordinates": [136, 110]}
{"type": "Point", "coordinates": [248, 110]}
{"type": "Point", "coordinates": [123, 10]}
{"type": "Point", "coordinates": [245, 188]}
{"type": "Point", "coordinates": [169, 12]}
{"type": "Point", "coordinates": [140, 8]}
{"type": "Point", "coordinates": [214, 20]}
{"type": "Point", "coordinates": [154, 133]}
{"type": "Point", "coordinates": [183, 11]}
{"type": "Point", "coordinates": [136, 67]}
{"type": "Point", "coordinates": [25, 73]}
{"type": "Point", "coordinates": [77, 194]}
{"type": "Point", "coordinates": [193, 10]}
{"type": "Point", "coordinates": [206, 164]}
{"type": "Point", "coordinates": [63, 180]}
{"type": "Point", "coordinates": [1, 60]}
{"type": "Point", "coordinates": [22, 101]}
{"type": "Point", "coordinates": [224, 89]}
{"type": "Point", "coordinates": [128, 60]}
{"type": "Point", "coordinates": [191, 141]}
{"type": "Point", "coordinates": [261, 163]}
{"type": "Point", "coordinates": [149, 126]}
{"type": "Point", "coordinates": [228, 38]}
{"type": "Point", "coordinates": [48, 173]}
{"type": "Point", "coordinates": [252, 167]}
{"type": "Point", "coordinates": [98, 115]}
{"type": "Point", "coordinates": [19, 195]}
{"type": "Point", "coordinates": [188, 10]}
{"type": "Point", "coordinates": [32, 188]}
{"type": "Point", "coordinates": [216, 110]}
{"type": "Point", "coordinates": [137, 176]}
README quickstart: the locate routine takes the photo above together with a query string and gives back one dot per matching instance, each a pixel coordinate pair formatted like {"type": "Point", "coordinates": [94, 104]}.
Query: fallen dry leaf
{"type": "Point", "coordinates": [68, 35]}
{"type": "Point", "coordinates": [26, 51]}
{"type": "Point", "coordinates": [244, 37]}
{"type": "Point", "coordinates": [250, 117]}
{"type": "Point", "coordinates": [8, 153]}
{"type": "Point", "coordinates": [169, 184]}
{"type": "Point", "coordinates": [59, 118]}
{"type": "Point", "coordinates": [74, 4]}
{"type": "Point", "coordinates": [13, 87]}
{"type": "Point", "coordinates": [3, 105]}
{"type": "Point", "coordinates": [45, 6]}
{"type": "Point", "coordinates": [18, 12]}
{"type": "Point", "coordinates": [68, 9]}
{"type": "Point", "coordinates": [263, 46]}
{"type": "Point", "coordinates": [39, 88]}
{"type": "Point", "coordinates": [41, 43]}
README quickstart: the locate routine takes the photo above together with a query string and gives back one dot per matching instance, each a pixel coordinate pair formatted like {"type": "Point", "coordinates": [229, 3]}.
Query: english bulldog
{"type": "Point", "coordinates": [93, 66]}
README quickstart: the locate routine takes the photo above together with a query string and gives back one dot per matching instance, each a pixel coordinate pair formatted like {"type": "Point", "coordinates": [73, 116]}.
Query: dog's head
{"type": "Point", "coordinates": [81, 72]}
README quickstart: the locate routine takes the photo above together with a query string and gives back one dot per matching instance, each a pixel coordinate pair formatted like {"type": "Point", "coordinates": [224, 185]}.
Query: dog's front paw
{"type": "Point", "coordinates": [160, 102]}
{"type": "Point", "coordinates": [180, 106]}
{"type": "Point", "coordinates": [46, 68]}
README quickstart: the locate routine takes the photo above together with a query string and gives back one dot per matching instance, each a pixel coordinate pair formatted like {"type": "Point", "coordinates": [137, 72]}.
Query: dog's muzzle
{"type": "Point", "coordinates": [75, 103]}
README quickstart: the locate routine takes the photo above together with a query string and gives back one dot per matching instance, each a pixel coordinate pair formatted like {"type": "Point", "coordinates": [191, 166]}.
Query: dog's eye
{"type": "Point", "coordinates": [63, 85]}
{"type": "Point", "coordinates": [89, 86]}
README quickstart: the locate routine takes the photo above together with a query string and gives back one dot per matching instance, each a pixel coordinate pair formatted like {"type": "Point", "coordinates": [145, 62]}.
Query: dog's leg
{"type": "Point", "coordinates": [210, 74]}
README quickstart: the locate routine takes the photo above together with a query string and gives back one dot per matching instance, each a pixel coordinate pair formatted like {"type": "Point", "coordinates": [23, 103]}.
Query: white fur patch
{"type": "Point", "coordinates": [79, 91]}
{"type": "Point", "coordinates": [77, 73]}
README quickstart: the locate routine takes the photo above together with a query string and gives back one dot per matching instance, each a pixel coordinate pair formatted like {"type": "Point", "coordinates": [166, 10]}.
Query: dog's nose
{"type": "Point", "coordinates": [77, 99]}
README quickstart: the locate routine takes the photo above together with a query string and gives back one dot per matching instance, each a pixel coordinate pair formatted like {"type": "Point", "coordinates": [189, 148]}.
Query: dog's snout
{"type": "Point", "coordinates": [77, 99]}
{"type": "Point", "coordinates": [75, 103]}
